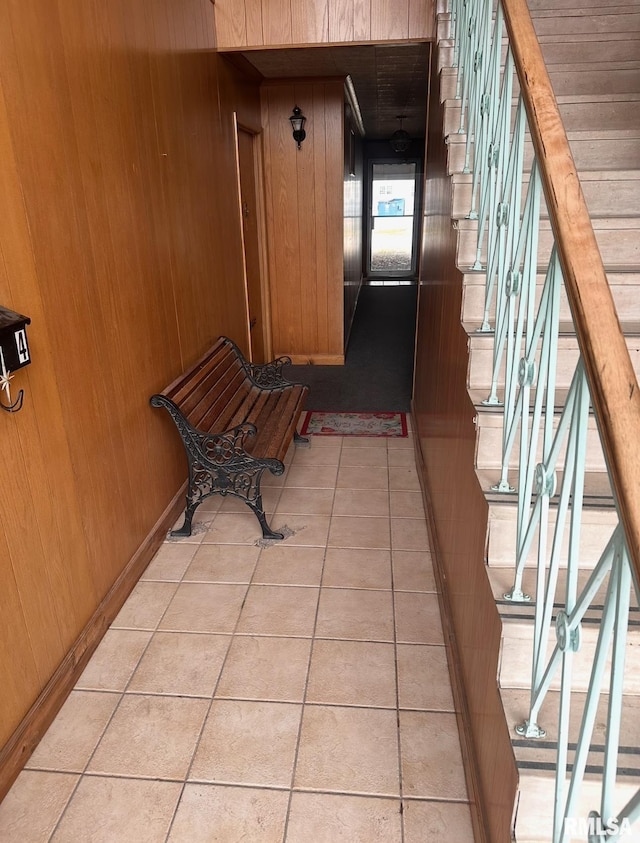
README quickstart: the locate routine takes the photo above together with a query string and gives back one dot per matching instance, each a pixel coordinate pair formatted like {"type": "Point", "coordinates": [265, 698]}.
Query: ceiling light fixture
{"type": "Point", "coordinates": [400, 140]}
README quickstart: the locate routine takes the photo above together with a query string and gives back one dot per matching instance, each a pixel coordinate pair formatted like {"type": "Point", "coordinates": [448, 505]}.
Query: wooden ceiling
{"type": "Point", "coordinates": [389, 80]}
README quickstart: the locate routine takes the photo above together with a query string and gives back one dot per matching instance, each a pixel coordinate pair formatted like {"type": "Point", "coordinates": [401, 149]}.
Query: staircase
{"type": "Point", "coordinates": [592, 52]}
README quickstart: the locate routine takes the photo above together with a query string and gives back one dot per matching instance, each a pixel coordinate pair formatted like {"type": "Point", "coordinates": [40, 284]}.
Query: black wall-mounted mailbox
{"type": "Point", "coordinates": [14, 352]}
{"type": "Point", "coordinates": [14, 347]}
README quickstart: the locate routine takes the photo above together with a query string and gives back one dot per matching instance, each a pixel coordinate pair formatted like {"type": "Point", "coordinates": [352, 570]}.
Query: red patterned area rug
{"type": "Point", "coordinates": [354, 424]}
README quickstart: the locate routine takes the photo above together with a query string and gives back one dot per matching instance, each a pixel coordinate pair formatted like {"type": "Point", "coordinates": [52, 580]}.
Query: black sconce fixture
{"type": "Point", "coordinates": [297, 121]}
{"type": "Point", "coordinates": [400, 140]}
{"type": "Point", "coordinates": [14, 353]}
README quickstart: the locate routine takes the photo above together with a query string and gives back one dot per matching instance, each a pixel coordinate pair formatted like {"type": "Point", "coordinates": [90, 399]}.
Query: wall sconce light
{"type": "Point", "coordinates": [14, 353]}
{"type": "Point", "coordinates": [297, 121]}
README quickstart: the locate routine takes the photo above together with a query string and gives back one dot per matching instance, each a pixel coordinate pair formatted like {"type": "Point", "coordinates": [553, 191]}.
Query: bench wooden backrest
{"type": "Point", "coordinates": [217, 393]}
{"type": "Point", "coordinates": [212, 393]}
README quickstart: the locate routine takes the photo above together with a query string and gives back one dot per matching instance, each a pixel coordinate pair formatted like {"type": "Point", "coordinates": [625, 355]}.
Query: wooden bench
{"type": "Point", "coordinates": [236, 420]}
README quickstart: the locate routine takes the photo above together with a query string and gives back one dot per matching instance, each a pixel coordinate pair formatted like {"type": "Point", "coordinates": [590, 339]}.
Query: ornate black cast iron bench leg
{"type": "Point", "coordinates": [219, 464]}
{"type": "Point", "coordinates": [236, 478]}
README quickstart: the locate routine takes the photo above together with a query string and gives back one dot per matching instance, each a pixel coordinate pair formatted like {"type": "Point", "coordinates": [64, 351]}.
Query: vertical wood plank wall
{"type": "Point", "coordinates": [118, 239]}
{"type": "Point", "coordinates": [353, 217]}
{"type": "Point", "coordinates": [272, 23]}
{"type": "Point", "coordinates": [304, 209]}
{"type": "Point", "coordinates": [443, 416]}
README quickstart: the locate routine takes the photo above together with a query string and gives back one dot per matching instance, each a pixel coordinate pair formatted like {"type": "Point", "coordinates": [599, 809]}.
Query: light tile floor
{"type": "Point", "coordinates": [295, 692]}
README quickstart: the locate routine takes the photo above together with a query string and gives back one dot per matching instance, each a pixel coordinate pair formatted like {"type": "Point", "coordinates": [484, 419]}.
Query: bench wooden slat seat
{"type": "Point", "coordinates": [236, 420]}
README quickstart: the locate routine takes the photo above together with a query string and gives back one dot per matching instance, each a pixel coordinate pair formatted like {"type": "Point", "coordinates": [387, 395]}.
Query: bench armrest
{"type": "Point", "coordinates": [268, 375]}
{"type": "Point", "coordinates": [216, 450]}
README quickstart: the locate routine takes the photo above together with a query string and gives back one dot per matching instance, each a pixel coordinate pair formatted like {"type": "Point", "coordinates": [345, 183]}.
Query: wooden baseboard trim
{"type": "Point", "coordinates": [469, 758]}
{"type": "Point", "coordinates": [18, 749]}
{"type": "Point", "coordinates": [314, 359]}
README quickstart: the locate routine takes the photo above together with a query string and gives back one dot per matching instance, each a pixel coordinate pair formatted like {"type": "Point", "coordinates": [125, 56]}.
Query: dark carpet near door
{"type": "Point", "coordinates": [378, 371]}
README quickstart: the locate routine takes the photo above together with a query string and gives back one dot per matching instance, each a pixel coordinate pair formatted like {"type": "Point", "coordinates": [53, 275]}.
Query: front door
{"type": "Point", "coordinates": [392, 242]}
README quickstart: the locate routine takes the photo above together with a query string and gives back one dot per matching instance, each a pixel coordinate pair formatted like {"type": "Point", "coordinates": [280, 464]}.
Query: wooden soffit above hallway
{"type": "Point", "coordinates": [242, 24]}
{"type": "Point", "coordinates": [383, 45]}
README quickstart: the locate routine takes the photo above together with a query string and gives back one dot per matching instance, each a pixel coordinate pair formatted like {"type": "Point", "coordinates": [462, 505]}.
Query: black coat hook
{"type": "Point", "coordinates": [17, 404]}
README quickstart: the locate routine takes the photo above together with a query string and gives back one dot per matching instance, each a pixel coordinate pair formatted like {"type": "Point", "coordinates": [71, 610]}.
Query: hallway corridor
{"type": "Point", "coordinates": [296, 692]}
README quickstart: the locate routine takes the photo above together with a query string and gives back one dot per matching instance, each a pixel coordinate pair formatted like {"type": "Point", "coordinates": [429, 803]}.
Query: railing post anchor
{"type": "Point", "coordinates": [516, 595]}
{"type": "Point", "coordinates": [502, 486]}
{"type": "Point", "coordinates": [530, 730]}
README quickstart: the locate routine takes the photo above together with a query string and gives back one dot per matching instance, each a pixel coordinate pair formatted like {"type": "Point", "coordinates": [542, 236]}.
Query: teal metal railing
{"type": "Point", "coordinates": [549, 390]}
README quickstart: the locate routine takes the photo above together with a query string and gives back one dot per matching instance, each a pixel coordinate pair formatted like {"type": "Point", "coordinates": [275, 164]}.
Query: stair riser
{"type": "Point", "coordinates": [604, 198]}
{"type": "Point", "coordinates": [534, 824]}
{"type": "Point", "coordinates": [553, 23]}
{"type": "Point", "coordinates": [617, 114]}
{"type": "Point", "coordinates": [619, 248]}
{"type": "Point", "coordinates": [481, 361]}
{"type": "Point", "coordinates": [569, 82]}
{"type": "Point", "coordinates": [489, 446]}
{"type": "Point", "coordinates": [517, 647]}
{"type": "Point", "coordinates": [590, 152]}
{"type": "Point", "coordinates": [597, 527]}
{"type": "Point", "coordinates": [536, 760]}
{"type": "Point", "coordinates": [582, 50]}
{"type": "Point", "coordinates": [626, 298]}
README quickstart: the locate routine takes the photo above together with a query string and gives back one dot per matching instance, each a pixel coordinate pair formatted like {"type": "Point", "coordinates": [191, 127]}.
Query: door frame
{"type": "Point", "coordinates": [261, 228]}
{"type": "Point", "coordinates": [417, 217]}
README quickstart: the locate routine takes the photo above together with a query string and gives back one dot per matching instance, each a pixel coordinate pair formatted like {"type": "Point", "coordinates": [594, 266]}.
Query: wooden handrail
{"type": "Point", "coordinates": [612, 380]}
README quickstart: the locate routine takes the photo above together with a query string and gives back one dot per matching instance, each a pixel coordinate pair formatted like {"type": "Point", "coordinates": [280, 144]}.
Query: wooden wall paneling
{"type": "Point", "coordinates": [334, 169]}
{"type": "Point", "coordinates": [117, 235]}
{"type": "Point", "coordinates": [319, 267]}
{"type": "Point", "coordinates": [20, 680]}
{"type": "Point", "coordinates": [115, 243]}
{"type": "Point", "coordinates": [156, 86]}
{"type": "Point", "coordinates": [268, 152]}
{"type": "Point", "coordinates": [239, 91]}
{"type": "Point", "coordinates": [43, 448]}
{"type": "Point", "coordinates": [276, 22]}
{"type": "Point", "coordinates": [254, 15]}
{"type": "Point", "coordinates": [389, 20]}
{"type": "Point", "coordinates": [285, 270]}
{"type": "Point", "coordinates": [161, 340]}
{"type": "Point", "coordinates": [35, 74]}
{"type": "Point", "coordinates": [305, 212]}
{"type": "Point", "coordinates": [123, 204]}
{"type": "Point", "coordinates": [151, 333]}
{"type": "Point", "coordinates": [443, 418]}
{"type": "Point", "coordinates": [198, 163]}
{"type": "Point", "coordinates": [233, 98]}
{"type": "Point", "coordinates": [361, 20]}
{"type": "Point", "coordinates": [422, 18]}
{"type": "Point", "coordinates": [353, 218]}
{"type": "Point", "coordinates": [231, 24]}
{"type": "Point", "coordinates": [225, 224]}
{"type": "Point", "coordinates": [309, 21]}
{"type": "Point", "coordinates": [310, 290]}
{"type": "Point", "coordinates": [341, 20]}
{"type": "Point", "coordinates": [177, 139]}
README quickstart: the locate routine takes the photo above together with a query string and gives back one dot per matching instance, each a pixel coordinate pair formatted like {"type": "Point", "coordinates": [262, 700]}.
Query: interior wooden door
{"type": "Point", "coordinates": [253, 243]}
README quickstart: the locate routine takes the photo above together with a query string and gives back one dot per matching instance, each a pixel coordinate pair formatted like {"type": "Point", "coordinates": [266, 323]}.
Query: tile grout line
{"type": "Point", "coordinates": [235, 635]}
{"type": "Point", "coordinates": [213, 693]}
{"type": "Point", "coordinates": [285, 830]}
{"type": "Point", "coordinates": [111, 718]}
{"type": "Point", "coordinates": [395, 653]}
